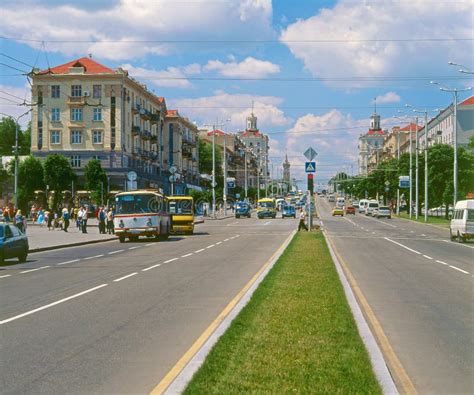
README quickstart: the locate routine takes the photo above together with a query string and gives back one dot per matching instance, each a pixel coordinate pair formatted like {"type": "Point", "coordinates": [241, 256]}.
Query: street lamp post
{"type": "Point", "coordinates": [15, 185]}
{"type": "Point", "coordinates": [454, 91]}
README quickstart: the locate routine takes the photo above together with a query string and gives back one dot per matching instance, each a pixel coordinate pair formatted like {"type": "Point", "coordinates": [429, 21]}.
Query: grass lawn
{"type": "Point", "coordinates": [296, 335]}
{"type": "Point", "coordinates": [441, 221]}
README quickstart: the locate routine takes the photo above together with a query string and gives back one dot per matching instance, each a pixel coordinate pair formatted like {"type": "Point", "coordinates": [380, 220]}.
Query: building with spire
{"type": "Point", "coordinates": [370, 142]}
{"type": "Point", "coordinates": [286, 170]}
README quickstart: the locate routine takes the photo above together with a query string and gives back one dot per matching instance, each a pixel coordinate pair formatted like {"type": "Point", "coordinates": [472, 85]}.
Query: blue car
{"type": "Point", "coordinates": [242, 209]}
{"type": "Point", "coordinates": [13, 243]}
{"type": "Point", "coordinates": [289, 211]}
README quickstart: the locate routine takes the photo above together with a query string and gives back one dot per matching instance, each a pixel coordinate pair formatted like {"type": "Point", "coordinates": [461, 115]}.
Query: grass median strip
{"type": "Point", "coordinates": [296, 334]}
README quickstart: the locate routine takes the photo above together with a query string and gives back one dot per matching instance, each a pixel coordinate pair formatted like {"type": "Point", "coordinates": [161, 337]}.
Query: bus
{"type": "Point", "coordinates": [141, 213]}
{"type": "Point", "coordinates": [266, 208]}
{"type": "Point", "coordinates": [181, 209]}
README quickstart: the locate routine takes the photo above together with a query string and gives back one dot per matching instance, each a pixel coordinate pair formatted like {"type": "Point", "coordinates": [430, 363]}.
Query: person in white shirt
{"type": "Point", "coordinates": [302, 218]}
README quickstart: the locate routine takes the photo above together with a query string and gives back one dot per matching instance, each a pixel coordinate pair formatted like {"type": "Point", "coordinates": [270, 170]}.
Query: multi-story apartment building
{"type": "Point", "coordinates": [86, 111]}
{"type": "Point", "coordinates": [181, 146]}
{"type": "Point", "coordinates": [370, 144]}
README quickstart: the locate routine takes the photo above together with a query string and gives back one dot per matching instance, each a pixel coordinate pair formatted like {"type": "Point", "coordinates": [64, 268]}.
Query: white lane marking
{"type": "Point", "coordinates": [232, 223]}
{"type": "Point", "coordinates": [115, 252]}
{"type": "Point", "coordinates": [198, 251]}
{"type": "Point", "coordinates": [149, 244]}
{"type": "Point", "coordinates": [427, 257]}
{"type": "Point", "coordinates": [404, 246]}
{"type": "Point", "coordinates": [51, 304]}
{"type": "Point", "coordinates": [219, 242]}
{"type": "Point", "coordinates": [133, 248]}
{"type": "Point", "coordinates": [422, 234]}
{"type": "Point", "coordinates": [239, 235]}
{"type": "Point", "coordinates": [212, 245]}
{"type": "Point", "coordinates": [124, 277]}
{"type": "Point", "coordinates": [412, 231]}
{"type": "Point", "coordinates": [64, 263]}
{"type": "Point", "coordinates": [460, 270]}
{"type": "Point", "coordinates": [34, 270]}
{"type": "Point", "coordinates": [350, 220]}
{"type": "Point", "coordinates": [443, 263]}
{"type": "Point", "coordinates": [186, 255]}
{"type": "Point", "coordinates": [92, 257]}
{"type": "Point", "coordinates": [382, 222]}
{"type": "Point", "coordinates": [267, 223]}
{"type": "Point", "coordinates": [226, 239]}
{"type": "Point", "coordinates": [171, 260]}
{"type": "Point", "coordinates": [373, 233]}
{"type": "Point", "coordinates": [151, 267]}
{"type": "Point", "coordinates": [458, 244]}
{"type": "Point", "coordinates": [6, 275]}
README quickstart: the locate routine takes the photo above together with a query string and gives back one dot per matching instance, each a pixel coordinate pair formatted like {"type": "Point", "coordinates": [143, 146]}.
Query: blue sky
{"type": "Point", "coordinates": [317, 64]}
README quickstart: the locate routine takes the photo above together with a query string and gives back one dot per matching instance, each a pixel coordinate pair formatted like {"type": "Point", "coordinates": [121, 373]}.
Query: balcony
{"type": "Point", "coordinates": [155, 118]}
{"type": "Point", "coordinates": [136, 108]}
{"type": "Point", "coordinates": [76, 100]}
{"type": "Point", "coordinates": [136, 130]}
{"type": "Point", "coordinates": [154, 139]}
{"type": "Point", "coordinates": [146, 135]}
{"type": "Point", "coordinates": [144, 114]}
{"type": "Point", "coordinates": [189, 140]}
{"type": "Point", "coordinates": [187, 150]}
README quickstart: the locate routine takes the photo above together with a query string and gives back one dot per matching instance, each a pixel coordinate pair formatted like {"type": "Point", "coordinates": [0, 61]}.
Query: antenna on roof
{"type": "Point", "coordinates": [375, 105]}
{"type": "Point", "coordinates": [90, 55]}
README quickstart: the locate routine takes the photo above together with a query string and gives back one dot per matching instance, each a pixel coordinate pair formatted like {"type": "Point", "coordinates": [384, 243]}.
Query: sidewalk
{"type": "Point", "coordinates": [40, 239]}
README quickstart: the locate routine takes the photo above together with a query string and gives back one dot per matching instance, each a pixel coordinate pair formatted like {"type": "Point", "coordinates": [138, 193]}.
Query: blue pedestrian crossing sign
{"type": "Point", "coordinates": [310, 167]}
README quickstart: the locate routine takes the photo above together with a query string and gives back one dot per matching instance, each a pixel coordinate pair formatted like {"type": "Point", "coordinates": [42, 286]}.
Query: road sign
{"type": "Point", "coordinates": [230, 184]}
{"type": "Point", "coordinates": [310, 167]}
{"type": "Point", "coordinates": [173, 169]}
{"type": "Point", "coordinates": [387, 183]}
{"type": "Point", "coordinates": [310, 153]}
{"type": "Point", "coordinates": [174, 177]}
{"type": "Point", "coordinates": [404, 182]}
{"type": "Point", "coordinates": [387, 188]}
{"type": "Point", "coordinates": [132, 176]}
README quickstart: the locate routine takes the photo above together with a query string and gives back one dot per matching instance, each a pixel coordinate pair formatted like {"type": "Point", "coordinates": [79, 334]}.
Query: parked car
{"type": "Point", "coordinates": [355, 203]}
{"type": "Point", "coordinates": [338, 211]}
{"type": "Point", "coordinates": [242, 209]}
{"type": "Point", "coordinates": [289, 211]}
{"type": "Point", "coordinates": [13, 243]}
{"type": "Point", "coordinates": [370, 206]}
{"type": "Point", "coordinates": [461, 227]}
{"type": "Point", "coordinates": [362, 205]}
{"type": "Point", "coordinates": [350, 210]}
{"type": "Point", "coordinates": [382, 211]}
{"type": "Point", "coordinates": [331, 198]}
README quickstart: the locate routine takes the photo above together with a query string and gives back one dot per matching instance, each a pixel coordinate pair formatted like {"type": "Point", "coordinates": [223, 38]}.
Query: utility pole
{"type": "Point", "coordinates": [214, 171]}
{"type": "Point", "coordinates": [245, 173]}
{"type": "Point", "coordinates": [225, 178]}
{"type": "Point", "coordinates": [411, 170]}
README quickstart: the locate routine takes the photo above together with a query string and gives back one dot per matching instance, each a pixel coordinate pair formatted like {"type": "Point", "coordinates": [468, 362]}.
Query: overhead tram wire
{"type": "Point", "coordinates": [14, 68]}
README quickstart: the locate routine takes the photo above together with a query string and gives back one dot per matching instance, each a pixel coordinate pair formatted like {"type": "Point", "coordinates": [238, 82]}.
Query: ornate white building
{"type": "Point", "coordinates": [370, 142]}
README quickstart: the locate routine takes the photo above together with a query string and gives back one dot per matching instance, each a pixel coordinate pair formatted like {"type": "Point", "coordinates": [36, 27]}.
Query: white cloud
{"type": "Point", "coordinates": [172, 77]}
{"type": "Point", "coordinates": [130, 20]}
{"type": "Point", "coordinates": [389, 97]}
{"type": "Point", "coordinates": [235, 107]}
{"type": "Point", "coordinates": [390, 19]}
{"type": "Point", "coordinates": [249, 67]}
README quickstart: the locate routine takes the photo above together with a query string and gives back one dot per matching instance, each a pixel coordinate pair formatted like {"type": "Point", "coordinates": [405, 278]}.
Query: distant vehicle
{"type": "Point", "coordinates": [289, 211]}
{"type": "Point", "coordinates": [242, 209]}
{"type": "Point", "coordinates": [461, 227]}
{"type": "Point", "coordinates": [340, 202]}
{"type": "Point", "coordinates": [382, 211]}
{"type": "Point", "coordinates": [338, 211]}
{"type": "Point", "coordinates": [371, 205]}
{"type": "Point", "coordinates": [266, 208]}
{"type": "Point", "coordinates": [181, 209]}
{"type": "Point", "coordinates": [362, 205]}
{"type": "Point", "coordinates": [13, 243]}
{"type": "Point", "coordinates": [355, 203]}
{"type": "Point", "coordinates": [280, 203]}
{"type": "Point", "coordinates": [141, 213]}
{"type": "Point", "coordinates": [331, 198]}
{"type": "Point", "coordinates": [350, 210]}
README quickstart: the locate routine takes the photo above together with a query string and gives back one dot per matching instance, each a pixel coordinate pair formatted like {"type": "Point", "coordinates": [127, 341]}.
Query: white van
{"type": "Point", "coordinates": [340, 202]}
{"type": "Point", "coordinates": [462, 223]}
{"type": "Point", "coordinates": [362, 205]}
{"type": "Point", "coordinates": [370, 206]}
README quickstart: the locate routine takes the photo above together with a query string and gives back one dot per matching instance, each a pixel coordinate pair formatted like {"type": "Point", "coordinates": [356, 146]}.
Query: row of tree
{"type": "Point", "coordinates": [440, 176]}
{"type": "Point", "coordinates": [7, 137]}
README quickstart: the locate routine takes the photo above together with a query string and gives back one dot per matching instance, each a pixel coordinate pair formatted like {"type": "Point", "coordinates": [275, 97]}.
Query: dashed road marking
{"type": "Point", "coordinates": [219, 242]}
{"type": "Point", "coordinates": [401, 245]}
{"type": "Point", "coordinates": [95, 256]}
{"type": "Point", "coordinates": [149, 244]}
{"type": "Point", "coordinates": [226, 239]}
{"type": "Point", "coordinates": [124, 277]}
{"type": "Point", "coordinates": [427, 257]}
{"type": "Point", "coordinates": [171, 260]}
{"type": "Point", "coordinates": [198, 251]}
{"type": "Point", "coordinates": [34, 270]}
{"type": "Point", "coordinates": [65, 263]}
{"type": "Point", "coordinates": [212, 245]}
{"type": "Point", "coordinates": [186, 255]}
{"type": "Point", "coordinates": [460, 270]}
{"type": "Point", "coordinates": [51, 304]}
{"type": "Point", "coordinates": [151, 267]}
{"type": "Point", "coordinates": [422, 234]}
{"type": "Point", "coordinates": [443, 263]}
{"type": "Point", "coordinates": [133, 248]}
{"type": "Point", "coordinates": [115, 252]}
{"type": "Point", "coordinates": [6, 275]}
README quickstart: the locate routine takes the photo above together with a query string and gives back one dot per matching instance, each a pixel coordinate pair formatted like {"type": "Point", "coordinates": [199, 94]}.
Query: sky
{"type": "Point", "coordinates": [311, 69]}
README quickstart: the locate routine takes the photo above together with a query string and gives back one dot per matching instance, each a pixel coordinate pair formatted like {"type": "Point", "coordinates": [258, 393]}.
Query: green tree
{"type": "Point", "coordinates": [205, 159]}
{"type": "Point", "coordinates": [7, 137]}
{"type": "Point", "coordinates": [30, 179]}
{"type": "Point", "coordinates": [58, 175]}
{"type": "Point", "coordinates": [24, 140]}
{"type": "Point", "coordinates": [96, 180]}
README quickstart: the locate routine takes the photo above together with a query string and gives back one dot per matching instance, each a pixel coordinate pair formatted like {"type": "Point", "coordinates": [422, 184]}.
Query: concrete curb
{"type": "Point", "coordinates": [201, 221]}
{"type": "Point", "coordinates": [218, 219]}
{"type": "Point", "coordinates": [375, 354]}
{"type": "Point", "coordinates": [80, 243]}
{"type": "Point", "coordinates": [185, 376]}
{"type": "Point", "coordinates": [422, 223]}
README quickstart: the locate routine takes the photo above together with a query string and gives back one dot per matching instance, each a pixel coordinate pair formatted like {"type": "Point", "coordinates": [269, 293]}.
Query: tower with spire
{"type": "Point", "coordinates": [286, 170]}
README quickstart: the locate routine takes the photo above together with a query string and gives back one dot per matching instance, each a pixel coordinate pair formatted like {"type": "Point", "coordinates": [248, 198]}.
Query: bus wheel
{"type": "Point", "coordinates": [122, 239]}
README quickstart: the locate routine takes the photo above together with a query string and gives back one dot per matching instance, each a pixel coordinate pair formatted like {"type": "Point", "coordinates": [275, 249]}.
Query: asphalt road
{"type": "Point", "coordinates": [114, 318]}
{"type": "Point", "coordinates": [420, 286]}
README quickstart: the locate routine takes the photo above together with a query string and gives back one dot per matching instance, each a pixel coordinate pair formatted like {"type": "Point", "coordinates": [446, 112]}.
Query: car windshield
{"type": "Point", "coordinates": [242, 205]}
{"type": "Point", "coordinates": [470, 215]}
{"type": "Point", "coordinates": [136, 204]}
{"type": "Point", "coordinates": [265, 205]}
{"type": "Point", "coordinates": [383, 208]}
{"type": "Point", "coordinates": [373, 204]}
{"type": "Point", "coordinates": [182, 207]}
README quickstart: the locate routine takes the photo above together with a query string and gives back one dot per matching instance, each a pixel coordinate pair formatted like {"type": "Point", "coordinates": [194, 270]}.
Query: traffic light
{"type": "Point", "coordinates": [310, 182]}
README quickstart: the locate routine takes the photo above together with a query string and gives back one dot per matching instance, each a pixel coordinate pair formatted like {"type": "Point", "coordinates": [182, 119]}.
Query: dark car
{"type": "Point", "coordinates": [289, 211]}
{"type": "Point", "coordinates": [242, 209]}
{"type": "Point", "coordinates": [13, 243]}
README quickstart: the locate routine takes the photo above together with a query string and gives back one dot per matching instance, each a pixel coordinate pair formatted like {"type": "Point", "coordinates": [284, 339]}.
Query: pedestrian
{"type": "Point", "coordinates": [65, 219]}
{"type": "Point", "coordinates": [40, 220]}
{"type": "Point", "coordinates": [102, 216]}
{"type": "Point", "coordinates": [6, 214]}
{"type": "Point", "coordinates": [110, 221]}
{"type": "Point", "coordinates": [80, 213]}
{"type": "Point", "coordinates": [85, 215]}
{"type": "Point", "coordinates": [18, 220]}
{"type": "Point", "coordinates": [48, 217]}
{"type": "Point", "coordinates": [302, 224]}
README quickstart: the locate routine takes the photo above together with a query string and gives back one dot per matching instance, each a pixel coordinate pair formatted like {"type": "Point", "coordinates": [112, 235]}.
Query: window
{"type": "Point", "coordinates": [55, 137]}
{"type": "Point", "coordinates": [76, 90]}
{"type": "Point", "coordinates": [96, 91]}
{"type": "Point", "coordinates": [76, 136]}
{"type": "Point", "coordinates": [55, 91]}
{"type": "Point", "coordinates": [76, 114]}
{"type": "Point", "coordinates": [76, 161]}
{"type": "Point", "coordinates": [55, 115]}
{"type": "Point", "coordinates": [97, 137]}
{"type": "Point", "coordinates": [97, 114]}
{"type": "Point", "coordinates": [97, 157]}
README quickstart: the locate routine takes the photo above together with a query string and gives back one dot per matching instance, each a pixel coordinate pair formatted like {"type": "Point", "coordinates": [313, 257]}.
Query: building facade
{"type": "Point", "coordinates": [86, 111]}
{"type": "Point", "coordinates": [370, 144]}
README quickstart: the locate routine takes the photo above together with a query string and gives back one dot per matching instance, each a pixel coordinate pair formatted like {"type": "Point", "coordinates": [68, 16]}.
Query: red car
{"type": "Point", "coordinates": [350, 210]}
